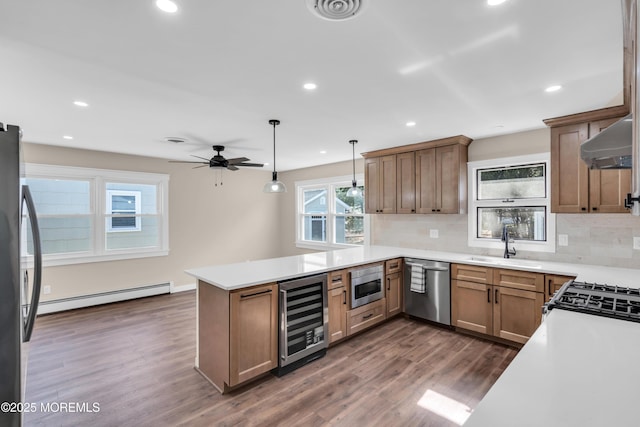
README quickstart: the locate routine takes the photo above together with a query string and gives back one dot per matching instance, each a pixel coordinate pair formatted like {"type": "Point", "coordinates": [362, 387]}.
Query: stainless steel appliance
{"type": "Point", "coordinates": [427, 290]}
{"type": "Point", "coordinates": [602, 300]}
{"type": "Point", "coordinates": [366, 285]}
{"type": "Point", "coordinates": [18, 297]}
{"type": "Point", "coordinates": [304, 327]}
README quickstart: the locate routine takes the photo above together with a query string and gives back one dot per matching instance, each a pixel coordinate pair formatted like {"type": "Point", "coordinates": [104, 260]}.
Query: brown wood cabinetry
{"type": "Point", "coordinates": [575, 188]}
{"type": "Point", "coordinates": [366, 316]}
{"type": "Point", "coordinates": [237, 333]}
{"type": "Point", "coordinates": [554, 282]}
{"type": "Point", "coordinates": [337, 304]}
{"type": "Point", "coordinates": [498, 302]}
{"type": "Point", "coordinates": [380, 184]}
{"type": "Point", "coordinates": [428, 177]}
{"type": "Point", "coordinates": [394, 290]}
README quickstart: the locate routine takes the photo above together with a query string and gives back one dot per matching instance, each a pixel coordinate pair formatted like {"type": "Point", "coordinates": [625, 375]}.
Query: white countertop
{"type": "Point", "coordinates": [244, 274]}
{"type": "Point", "coordinates": [576, 370]}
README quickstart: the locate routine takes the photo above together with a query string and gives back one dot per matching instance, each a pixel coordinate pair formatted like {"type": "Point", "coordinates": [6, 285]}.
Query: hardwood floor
{"type": "Point", "coordinates": [135, 360]}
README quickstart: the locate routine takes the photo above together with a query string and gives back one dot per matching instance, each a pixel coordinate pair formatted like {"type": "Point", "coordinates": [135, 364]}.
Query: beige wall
{"type": "Point", "coordinates": [515, 144]}
{"type": "Point", "coordinates": [207, 225]}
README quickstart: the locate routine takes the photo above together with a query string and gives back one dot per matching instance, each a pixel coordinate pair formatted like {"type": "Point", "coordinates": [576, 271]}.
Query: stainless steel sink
{"type": "Point", "coordinates": [515, 263]}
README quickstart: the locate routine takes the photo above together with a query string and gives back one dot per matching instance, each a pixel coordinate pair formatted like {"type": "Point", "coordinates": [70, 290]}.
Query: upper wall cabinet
{"type": "Point", "coordinates": [428, 177]}
{"type": "Point", "coordinates": [575, 188]}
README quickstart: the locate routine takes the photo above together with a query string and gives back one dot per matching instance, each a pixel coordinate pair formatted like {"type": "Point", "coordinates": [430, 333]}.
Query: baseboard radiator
{"type": "Point", "coordinates": [63, 304]}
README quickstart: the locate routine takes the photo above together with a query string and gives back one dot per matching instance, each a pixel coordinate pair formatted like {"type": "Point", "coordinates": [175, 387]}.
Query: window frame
{"type": "Point", "coordinates": [330, 185]}
{"type": "Point", "coordinates": [98, 179]}
{"type": "Point", "coordinates": [111, 213]}
{"type": "Point", "coordinates": [549, 245]}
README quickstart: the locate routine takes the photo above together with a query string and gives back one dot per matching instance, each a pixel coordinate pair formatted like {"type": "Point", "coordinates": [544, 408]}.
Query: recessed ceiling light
{"type": "Point", "coordinates": [67, 137]}
{"type": "Point", "coordinates": [411, 124]}
{"type": "Point", "coordinates": [167, 6]}
{"type": "Point", "coordinates": [80, 104]}
{"type": "Point", "coordinates": [495, 2]}
{"type": "Point", "coordinates": [310, 86]}
{"type": "Point", "coordinates": [553, 88]}
{"type": "Point", "coordinates": [323, 152]}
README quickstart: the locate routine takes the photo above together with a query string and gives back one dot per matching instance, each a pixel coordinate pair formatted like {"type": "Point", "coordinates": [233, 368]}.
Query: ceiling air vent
{"type": "Point", "coordinates": [336, 10]}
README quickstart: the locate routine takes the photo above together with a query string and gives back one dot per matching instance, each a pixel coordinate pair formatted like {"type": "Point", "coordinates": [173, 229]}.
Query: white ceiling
{"type": "Point", "coordinates": [217, 71]}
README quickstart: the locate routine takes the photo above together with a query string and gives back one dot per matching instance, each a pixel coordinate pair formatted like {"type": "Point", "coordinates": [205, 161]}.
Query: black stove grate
{"type": "Point", "coordinates": [603, 300]}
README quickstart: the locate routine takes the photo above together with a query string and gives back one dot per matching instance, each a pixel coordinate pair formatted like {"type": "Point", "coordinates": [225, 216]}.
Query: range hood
{"type": "Point", "coordinates": [611, 148]}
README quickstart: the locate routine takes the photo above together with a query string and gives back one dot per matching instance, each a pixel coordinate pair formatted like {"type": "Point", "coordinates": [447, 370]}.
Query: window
{"type": "Point", "coordinates": [327, 216]}
{"type": "Point", "coordinates": [511, 193]}
{"type": "Point", "coordinates": [88, 215]}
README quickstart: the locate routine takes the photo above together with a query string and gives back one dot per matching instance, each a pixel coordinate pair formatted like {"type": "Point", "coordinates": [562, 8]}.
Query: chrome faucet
{"type": "Point", "coordinates": [505, 238]}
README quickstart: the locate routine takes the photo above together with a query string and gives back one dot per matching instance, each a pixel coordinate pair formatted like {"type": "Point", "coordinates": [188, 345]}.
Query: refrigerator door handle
{"type": "Point", "coordinates": [37, 263]}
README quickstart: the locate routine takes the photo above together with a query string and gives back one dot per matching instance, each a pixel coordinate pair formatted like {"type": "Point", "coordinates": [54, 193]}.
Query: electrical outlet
{"type": "Point", "coordinates": [563, 240]}
{"type": "Point", "coordinates": [46, 289]}
{"type": "Point", "coordinates": [433, 233]}
{"type": "Point", "coordinates": [636, 243]}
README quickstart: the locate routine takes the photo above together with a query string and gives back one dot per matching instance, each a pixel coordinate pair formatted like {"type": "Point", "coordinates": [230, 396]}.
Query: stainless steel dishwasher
{"type": "Point", "coordinates": [427, 290]}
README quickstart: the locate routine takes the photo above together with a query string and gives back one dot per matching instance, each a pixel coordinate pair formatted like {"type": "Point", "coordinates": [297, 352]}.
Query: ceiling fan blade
{"type": "Point", "coordinates": [198, 167]}
{"type": "Point", "coordinates": [198, 157]}
{"type": "Point", "coordinates": [232, 168]}
{"type": "Point", "coordinates": [237, 160]}
{"type": "Point", "coordinates": [184, 161]}
{"type": "Point", "coordinates": [253, 165]}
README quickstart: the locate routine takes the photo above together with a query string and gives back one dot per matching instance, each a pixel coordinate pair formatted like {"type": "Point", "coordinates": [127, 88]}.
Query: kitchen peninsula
{"type": "Point", "coordinates": [235, 342]}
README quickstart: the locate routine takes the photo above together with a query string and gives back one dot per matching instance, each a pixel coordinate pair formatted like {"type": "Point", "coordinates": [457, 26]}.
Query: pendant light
{"type": "Point", "coordinates": [354, 191]}
{"type": "Point", "coordinates": [274, 186]}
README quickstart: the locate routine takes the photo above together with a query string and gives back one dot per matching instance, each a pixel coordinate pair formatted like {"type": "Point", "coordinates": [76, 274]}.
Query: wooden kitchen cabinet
{"type": "Point", "coordinates": [394, 289]}
{"type": "Point", "coordinates": [363, 317]}
{"type": "Point", "coordinates": [337, 304]}
{"type": "Point", "coordinates": [554, 282]}
{"type": "Point", "coordinates": [380, 184]}
{"type": "Point", "coordinates": [427, 177]}
{"type": "Point", "coordinates": [237, 333]}
{"type": "Point", "coordinates": [575, 188]}
{"type": "Point", "coordinates": [502, 303]}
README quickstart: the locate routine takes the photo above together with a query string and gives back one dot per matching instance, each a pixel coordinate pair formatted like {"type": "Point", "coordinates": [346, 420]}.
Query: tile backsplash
{"type": "Point", "coordinates": [597, 239]}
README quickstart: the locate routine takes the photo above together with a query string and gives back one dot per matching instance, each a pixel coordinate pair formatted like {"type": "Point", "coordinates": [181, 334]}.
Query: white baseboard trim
{"type": "Point", "coordinates": [82, 301]}
{"type": "Point", "coordinates": [183, 288]}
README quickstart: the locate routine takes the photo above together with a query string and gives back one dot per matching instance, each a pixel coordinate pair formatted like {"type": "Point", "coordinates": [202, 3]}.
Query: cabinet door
{"type": "Point", "coordinates": [569, 174]}
{"type": "Point", "coordinates": [553, 283]}
{"type": "Point", "coordinates": [471, 306]}
{"type": "Point", "coordinates": [448, 179]}
{"type": "Point", "coordinates": [525, 280]}
{"type": "Point", "coordinates": [607, 188]}
{"type": "Point", "coordinates": [394, 294]}
{"type": "Point", "coordinates": [337, 303]}
{"type": "Point", "coordinates": [516, 313]}
{"type": "Point", "coordinates": [253, 333]}
{"type": "Point", "coordinates": [387, 196]}
{"type": "Point", "coordinates": [425, 163]}
{"type": "Point", "coordinates": [371, 185]}
{"type": "Point", "coordinates": [405, 183]}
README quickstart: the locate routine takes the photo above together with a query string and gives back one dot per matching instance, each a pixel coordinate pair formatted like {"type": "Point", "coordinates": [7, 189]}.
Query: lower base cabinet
{"type": "Point", "coordinates": [337, 304]}
{"type": "Point", "coordinates": [502, 303]}
{"type": "Point", "coordinates": [237, 333]}
{"type": "Point", "coordinates": [361, 318]}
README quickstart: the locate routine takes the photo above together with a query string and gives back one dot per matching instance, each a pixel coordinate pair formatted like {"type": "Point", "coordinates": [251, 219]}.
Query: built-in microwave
{"type": "Point", "coordinates": [366, 285]}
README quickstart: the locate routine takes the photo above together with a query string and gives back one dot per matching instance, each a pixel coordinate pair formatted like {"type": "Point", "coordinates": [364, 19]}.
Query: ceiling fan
{"type": "Point", "coordinates": [218, 161]}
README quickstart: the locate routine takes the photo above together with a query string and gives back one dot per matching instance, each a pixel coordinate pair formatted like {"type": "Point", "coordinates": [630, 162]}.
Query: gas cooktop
{"type": "Point", "coordinates": [594, 298]}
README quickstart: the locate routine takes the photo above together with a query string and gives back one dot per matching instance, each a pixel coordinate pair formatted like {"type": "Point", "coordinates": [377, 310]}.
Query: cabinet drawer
{"type": "Point", "coordinates": [367, 315]}
{"type": "Point", "coordinates": [393, 266]}
{"type": "Point", "coordinates": [336, 279]}
{"type": "Point", "coordinates": [516, 279]}
{"type": "Point", "coordinates": [472, 273]}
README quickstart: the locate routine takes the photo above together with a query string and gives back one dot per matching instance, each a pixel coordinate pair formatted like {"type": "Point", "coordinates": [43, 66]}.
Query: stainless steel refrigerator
{"type": "Point", "coordinates": [19, 293]}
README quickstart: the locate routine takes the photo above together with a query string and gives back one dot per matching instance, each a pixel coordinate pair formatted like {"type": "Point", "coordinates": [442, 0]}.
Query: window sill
{"type": "Point", "coordinates": [53, 261]}
{"type": "Point", "coordinates": [548, 246]}
{"type": "Point", "coordinates": [323, 246]}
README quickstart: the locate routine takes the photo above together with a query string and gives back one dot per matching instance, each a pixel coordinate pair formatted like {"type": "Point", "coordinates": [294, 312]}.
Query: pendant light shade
{"type": "Point", "coordinates": [354, 191]}
{"type": "Point", "coordinates": [274, 186]}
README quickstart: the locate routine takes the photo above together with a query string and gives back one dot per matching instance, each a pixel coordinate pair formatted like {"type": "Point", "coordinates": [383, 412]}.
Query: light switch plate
{"type": "Point", "coordinates": [433, 233]}
{"type": "Point", "coordinates": [563, 240]}
{"type": "Point", "coordinates": [636, 243]}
